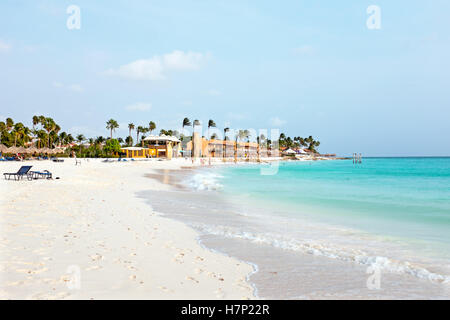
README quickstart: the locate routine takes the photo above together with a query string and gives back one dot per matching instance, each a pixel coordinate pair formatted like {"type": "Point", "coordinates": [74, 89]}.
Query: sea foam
{"type": "Point", "coordinates": [205, 181]}
{"type": "Point", "coordinates": [327, 250]}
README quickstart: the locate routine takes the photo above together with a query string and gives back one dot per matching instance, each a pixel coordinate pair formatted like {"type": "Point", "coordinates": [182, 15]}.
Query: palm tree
{"type": "Point", "coordinates": [62, 138]}
{"type": "Point", "coordinates": [99, 140]}
{"type": "Point", "coordinates": [236, 137]}
{"type": "Point", "coordinates": [69, 138]}
{"type": "Point", "coordinates": [49, 125]}
{"type": "Point", "coordinates": [139, 130]}
{"type": "Point", "coordinates": [130, 128]}
{"type": "Point", "coordinates": [112, 125]}
{"type": "Point", "coordinates": [18, 131]}
{"type": "Point", "coordinates": [80, 139]}
{"type": "Point", "coordinates": [143, 130]}
{"type": "Point", "coordinates": [225, 130]}
{"type": "Point", "coordinates": [35, 123]}
{"type": "Point", "coordinates": [151, 126]}
{"type": "Point", "coordinates": [129, 141]}
{"type": "Point", "coordinates": [2, 130]}
{"type": "Point", "coordinates": [312, 144]}
{"type": "Point", "coordinates": [9, 124]}
{"type": "Point", "coordinates": [211, 123]}
{"type": "Point", "coordinates": [186, 122]}
{"type": "Point", "coordinates": [55, 131]}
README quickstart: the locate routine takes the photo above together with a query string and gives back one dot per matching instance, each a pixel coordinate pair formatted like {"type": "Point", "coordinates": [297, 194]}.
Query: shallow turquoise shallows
{"type": "Point", "coordinates": [407, 198]}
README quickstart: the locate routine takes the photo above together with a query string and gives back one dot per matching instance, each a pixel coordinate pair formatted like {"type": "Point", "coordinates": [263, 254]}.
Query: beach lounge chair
{"type": "Point", "coordinates": [41, 174]}
{"type": "Point", "coordinates": [23, 171]}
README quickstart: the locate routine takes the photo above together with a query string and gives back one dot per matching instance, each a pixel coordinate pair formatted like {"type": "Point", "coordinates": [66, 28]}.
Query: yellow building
{"type": "Point", "coordinates": [154, 147]}
{"type": "Point", "coordinates": [134, 152]}
{"type": "Point", "coordinates": [163, 146]}
{"type": "Point", "coordinates": [225, 148]}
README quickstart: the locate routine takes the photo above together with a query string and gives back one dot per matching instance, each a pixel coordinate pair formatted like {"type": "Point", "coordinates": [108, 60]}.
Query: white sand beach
{"type": "Point", "coordinates": [87, 236]}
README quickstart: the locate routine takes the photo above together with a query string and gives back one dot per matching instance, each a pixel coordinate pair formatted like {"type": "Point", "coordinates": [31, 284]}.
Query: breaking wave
{"type": "Point", "coordinates": [205, 181]}
{"type": "Point", "coordinates": [329, 251]}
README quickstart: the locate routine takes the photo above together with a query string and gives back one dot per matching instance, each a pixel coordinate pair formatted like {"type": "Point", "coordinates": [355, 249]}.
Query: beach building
{"type": "Point", "coordinates": [163, 146]}
{"type": "Point", "coordinates": [154, 147]}
{"type": "Point", "coordinates": [134, 152]}
{"type": "Point", "coordinates": [215, 148]}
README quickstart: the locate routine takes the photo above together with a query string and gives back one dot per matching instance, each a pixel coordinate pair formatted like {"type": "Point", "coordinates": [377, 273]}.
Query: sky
{"type": "Point", "coordinates": [303, 67]}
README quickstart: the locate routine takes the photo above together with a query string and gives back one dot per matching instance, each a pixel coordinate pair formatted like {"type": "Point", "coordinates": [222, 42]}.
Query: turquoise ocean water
{"type": "Point", "coordinates": [316, 229]}
{"type": "Point", "coordinates": [406, 198]}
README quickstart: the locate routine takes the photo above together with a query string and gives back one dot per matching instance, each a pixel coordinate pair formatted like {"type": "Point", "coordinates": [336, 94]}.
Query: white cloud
{"type": "Point", "coordinates": [72, 87]}
{"type": "Point", "coordinates": [76, 88]}
{"type": "Point", "coordinates": [306, 49]}
{"type": "Point", "coordinates": [140, 106]}
{"type": "Point", "coordinates": [277, 122]}
{"type": "Point", "coordinates": [214, 92]}
{"type": "Point", "coordinates": [144, 69]}
{"type": "Point", "coordinates": [155, 68]}
{"type": "Point", "coordinates": [4, 47]}
{"type": "Point", "coordinates": [178, 60]}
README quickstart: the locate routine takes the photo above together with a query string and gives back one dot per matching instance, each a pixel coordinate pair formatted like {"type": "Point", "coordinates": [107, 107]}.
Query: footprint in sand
{"type": "Point", "coordinates": [96, 257]}
{"type": "Point", "coordinates": [198, 271]}
{"type": "Point", "coordinates": [192, 279]}
{"type": "Point", "coordinates": [165, 289]}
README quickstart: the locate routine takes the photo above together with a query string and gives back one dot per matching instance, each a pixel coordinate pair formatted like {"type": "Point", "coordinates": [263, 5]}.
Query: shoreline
{"type": "Point", "coordinates": [91, 221]}
{"type": "Point", "coordinates": [228, 242]}
{"type": "Point", "coordinates": [143, 195]}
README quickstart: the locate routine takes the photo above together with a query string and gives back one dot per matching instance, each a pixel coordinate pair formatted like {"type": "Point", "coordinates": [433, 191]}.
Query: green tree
{"type": "Point", "coordinates": [9, 124]}
{"type": "Point", "coordinates": [186, 122]}
{"type": "Point", "coordinates": [49, 126]}
{"type": "Point", "coordinates": [18, 131]}
{"type": "Point", "coordinates": [111, 146]}
{"type": "Point", "coordinates": [129, 141]}
{"type": "Point", "coordinates": [112, 125]}
{"type": "Point", "coordinates": [211, 124]}
{"type": "Point", "coordinates": [139, 130]}
{"type": "Point", "coordinates": [151, 126]}
{"type": "Point", "coordinates": [130, 128]}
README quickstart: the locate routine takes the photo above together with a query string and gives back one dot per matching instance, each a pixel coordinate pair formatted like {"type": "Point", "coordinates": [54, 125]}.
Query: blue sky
{"type": "Point", "coordinates": [305, 67]}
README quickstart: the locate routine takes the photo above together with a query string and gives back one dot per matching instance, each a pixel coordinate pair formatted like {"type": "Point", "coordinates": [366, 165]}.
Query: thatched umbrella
{"type": "Point", "coordinates": [3, 148]}
{"type": "Point", "coordinates": [32, 150]}
{"type": "Point", "coordinates": [12, 150]}
{"type": "Point", "coordinates": [21, 150]}
{"type": "Point", "coordinates": [46, 150]}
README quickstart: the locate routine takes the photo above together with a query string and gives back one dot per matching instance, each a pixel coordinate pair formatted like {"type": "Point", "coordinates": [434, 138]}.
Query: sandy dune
{"type": "Point", "coordinates": [86, 236]}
